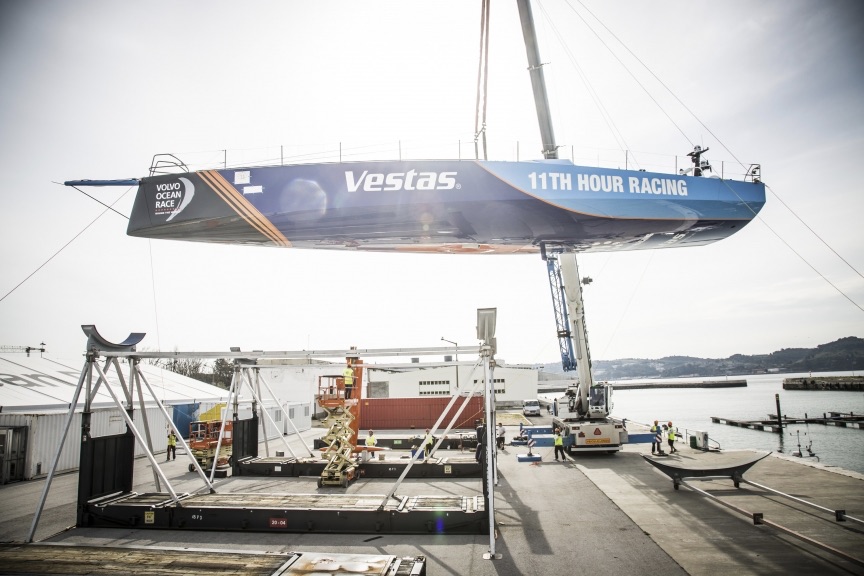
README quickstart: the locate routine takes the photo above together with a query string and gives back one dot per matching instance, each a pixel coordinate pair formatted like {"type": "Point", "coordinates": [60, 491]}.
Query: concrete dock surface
{"type": "Point", "coordinates": [593, 514]}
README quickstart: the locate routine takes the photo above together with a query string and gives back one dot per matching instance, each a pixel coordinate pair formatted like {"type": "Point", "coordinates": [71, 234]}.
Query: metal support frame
{"type": "Point", "coordinates": [133, 369]}
{"type": "Point", "coordinates": [490, 452]}
{"type": "Point", "coordinates": [259, 397]}
{"type": "Point", "coordinates": [69, 415]}
{"type": "Point", "coordinates": [131, 426]}
{"type": "Point", "coordinates": [170, 510]}
{"type": "Point", "coordinates": [461, 409]}
{"type": "Point", "coordinates": [431, 431]}
{"type": "Point", "coordinates": [256, 391]}
{"type": "Point", "coordinates": [253, 355]}
{"type": "Point", "coordinates": [222, 427]}
{"type": "Point", "coordinates": [486, 319]}
{"type": "Point", "coordinates": [85, 383]}
{"type": "Point", "coordinates": [177, 432]}
{"type": "Point", "coordinates": [242, 375]}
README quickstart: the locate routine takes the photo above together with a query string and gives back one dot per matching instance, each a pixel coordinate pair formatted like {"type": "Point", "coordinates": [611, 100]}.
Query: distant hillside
{"type": "Point", "coordinates": [845, 354]}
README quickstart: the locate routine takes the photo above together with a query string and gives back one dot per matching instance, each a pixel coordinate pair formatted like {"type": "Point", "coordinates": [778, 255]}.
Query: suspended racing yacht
{"type": "Point", "coordinates": [449, 206]}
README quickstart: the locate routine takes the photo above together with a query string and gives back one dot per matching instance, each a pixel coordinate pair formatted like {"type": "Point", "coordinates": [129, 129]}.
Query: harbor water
{"type": "Point", "coordinates": [691, 409]}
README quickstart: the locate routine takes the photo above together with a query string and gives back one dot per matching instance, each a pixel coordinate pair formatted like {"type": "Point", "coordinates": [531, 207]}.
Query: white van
{"type": "Point", "coordinates": [531, 407]}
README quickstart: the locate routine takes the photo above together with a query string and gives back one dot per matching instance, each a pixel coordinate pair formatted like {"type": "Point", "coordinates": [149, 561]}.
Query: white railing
{"type": "Point", "coordinates": [458, 149]}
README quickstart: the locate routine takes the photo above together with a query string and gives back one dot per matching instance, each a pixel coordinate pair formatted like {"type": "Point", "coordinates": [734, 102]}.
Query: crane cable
{"type": "Point", "coordinates": [701, 123]}
{"type": "Point", "coordinates": [482, 82]}
{"type": "Point", "coordinates": [598, 102]}
{"type": "Point", "coordinates": [644, 89]}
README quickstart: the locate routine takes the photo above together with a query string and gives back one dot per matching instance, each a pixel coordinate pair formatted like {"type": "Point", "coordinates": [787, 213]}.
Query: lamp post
{"type": "Point", "coordinates": [457, 360]}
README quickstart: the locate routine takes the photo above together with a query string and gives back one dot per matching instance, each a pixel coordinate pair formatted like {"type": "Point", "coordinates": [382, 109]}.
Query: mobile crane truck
{"type": "Point", "coordinates": [583, 414]}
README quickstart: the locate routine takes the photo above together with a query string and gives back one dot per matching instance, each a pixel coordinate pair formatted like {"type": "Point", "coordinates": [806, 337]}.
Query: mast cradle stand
{"type": "Point", "coordinates": [107, 464]}
{"type": "Point", "coordinates": [723, 465]}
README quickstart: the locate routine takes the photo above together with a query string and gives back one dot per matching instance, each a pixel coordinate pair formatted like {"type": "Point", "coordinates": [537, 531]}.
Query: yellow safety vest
{"type": "Point", "coordinates": [348, 376]}
{"type": "Point", "coordinates": [559, 441]}
{"type": "Point", "coordinates": [371, 441]}
{"type": "Point", "coordinates": [172, 440]}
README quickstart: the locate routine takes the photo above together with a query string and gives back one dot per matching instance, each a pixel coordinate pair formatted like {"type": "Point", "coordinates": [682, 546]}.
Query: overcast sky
{"type": "Point", "coordinates": [93, 89]}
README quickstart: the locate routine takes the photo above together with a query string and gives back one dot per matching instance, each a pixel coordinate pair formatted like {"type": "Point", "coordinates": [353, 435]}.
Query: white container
{"type": "Point", "coordinates": [45, 433]}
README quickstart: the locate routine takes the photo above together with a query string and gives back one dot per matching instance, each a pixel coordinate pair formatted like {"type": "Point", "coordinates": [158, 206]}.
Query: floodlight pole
{"type": "Point", "coordinates": [491, 456]}
{"type": "Point", "coordinates": [457, 359]}
{"type": "Point", "coordinates": [486, 318]}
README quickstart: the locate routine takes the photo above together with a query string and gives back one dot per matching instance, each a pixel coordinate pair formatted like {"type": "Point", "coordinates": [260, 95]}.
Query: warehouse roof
{"type": "Point", "coordinates": [30, 383]}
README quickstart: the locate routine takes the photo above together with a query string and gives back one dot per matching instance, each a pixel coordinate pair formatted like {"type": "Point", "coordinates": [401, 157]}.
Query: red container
{"type": "Point", "coordinates": [416, 413]}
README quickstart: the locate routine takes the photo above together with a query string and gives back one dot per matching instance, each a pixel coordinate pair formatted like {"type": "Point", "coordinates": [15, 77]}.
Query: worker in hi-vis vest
{"type": "Point", "coordinates": [371, 440]}
{"type": "Point", "coordinates": [348, 378]}
{"type": "Point", "coordinates": [172, 447]}
{"type": "Point", "coordinates": [657, 441]}
{"type": "Point", "coordinates": [559, 445]}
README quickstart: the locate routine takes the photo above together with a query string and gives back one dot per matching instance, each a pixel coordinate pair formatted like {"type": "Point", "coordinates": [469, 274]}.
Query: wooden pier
{"type": "Point", "coordinates": [841, 419]}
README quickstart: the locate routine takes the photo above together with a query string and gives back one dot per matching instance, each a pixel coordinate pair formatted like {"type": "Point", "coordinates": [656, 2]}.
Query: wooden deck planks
{"type": "Point", "coordinates": [107, 561]}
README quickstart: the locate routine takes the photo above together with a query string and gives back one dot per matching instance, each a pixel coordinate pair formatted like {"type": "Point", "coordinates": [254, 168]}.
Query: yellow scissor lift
{"type": "Point", "coordinates": [343, 419]}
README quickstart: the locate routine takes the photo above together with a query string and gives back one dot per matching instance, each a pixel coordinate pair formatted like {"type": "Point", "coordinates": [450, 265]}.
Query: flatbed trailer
{"type": "Point", "coordinates": [331, 513]}
{"type": "Point", "coordinates": [450, 466]}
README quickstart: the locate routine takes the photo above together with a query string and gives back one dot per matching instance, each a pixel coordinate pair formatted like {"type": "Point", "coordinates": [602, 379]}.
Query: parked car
{"type": "Point", "coordinates": [531, 407]}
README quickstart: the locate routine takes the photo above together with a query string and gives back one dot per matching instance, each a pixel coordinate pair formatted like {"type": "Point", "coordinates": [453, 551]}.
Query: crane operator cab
{"type": "Point", "coordinates": [599, 400]}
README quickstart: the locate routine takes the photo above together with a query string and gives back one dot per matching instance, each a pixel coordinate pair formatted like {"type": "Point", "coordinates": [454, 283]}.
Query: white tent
{"type": "Point", "coordinates": [35, 394]}
{"type": "Point", "coordinates": [29, 384]}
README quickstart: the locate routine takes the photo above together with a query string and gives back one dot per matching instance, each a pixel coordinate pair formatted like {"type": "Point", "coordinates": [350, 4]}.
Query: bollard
{"type": "Point", "coordinates": [779, 417]}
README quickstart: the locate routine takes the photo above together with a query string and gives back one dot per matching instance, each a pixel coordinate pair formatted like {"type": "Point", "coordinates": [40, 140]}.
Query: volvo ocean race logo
{"type": "Point", "coordinates": [173, 197]}
{"type": "Point", "coordinates": [395, 181]}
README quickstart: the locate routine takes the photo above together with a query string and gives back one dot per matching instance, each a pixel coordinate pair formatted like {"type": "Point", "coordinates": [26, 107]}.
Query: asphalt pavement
{"type": "Point", "coordinates": [593, 514]}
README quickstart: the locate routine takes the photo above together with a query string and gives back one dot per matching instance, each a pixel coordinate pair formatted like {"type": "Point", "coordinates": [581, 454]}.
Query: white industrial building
{"type": "Point", "coordinates": [298, 380]}
{"type": "Point", "coordinates": [35, 394]}
{"type": "Point", "coordinates": [513, 384]}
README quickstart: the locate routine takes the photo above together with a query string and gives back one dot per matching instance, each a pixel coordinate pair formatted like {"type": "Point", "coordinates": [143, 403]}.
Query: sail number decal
{"type": "Point", "coordinates": [550, 181]}
{"type": "Point", "coordinates": [608, 183]}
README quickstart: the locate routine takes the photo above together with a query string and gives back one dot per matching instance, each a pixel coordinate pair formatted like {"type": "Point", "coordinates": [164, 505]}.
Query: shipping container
{"type": "Point", "coordinates": [416, 413]}
{"type": "Point", "coordinates": [44, 433]}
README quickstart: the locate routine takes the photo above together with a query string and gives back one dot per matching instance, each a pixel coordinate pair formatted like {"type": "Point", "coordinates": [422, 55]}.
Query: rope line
{"type": "Point", "coordinates": [649, 71]}
{"type": "Point", "coordinates": [777, 196]}
{"type": "Point", "coordinates": [153, 288]}
{"type": "Point", "coordinates": [107, 208]}
{"type": "Point", "coordinates": [719, 141]}
{"type": "Point", "coordinates": [99, 201]}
